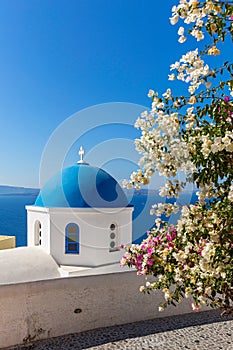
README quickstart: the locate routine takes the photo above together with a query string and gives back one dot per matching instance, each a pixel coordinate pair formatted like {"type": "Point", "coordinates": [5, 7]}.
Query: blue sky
{"type": "Point", "coordinates": [60, 57]}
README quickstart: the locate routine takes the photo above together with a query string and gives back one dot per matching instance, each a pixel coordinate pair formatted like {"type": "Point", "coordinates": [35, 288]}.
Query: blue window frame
{"type": "Point", "coordinates": [72, 239]}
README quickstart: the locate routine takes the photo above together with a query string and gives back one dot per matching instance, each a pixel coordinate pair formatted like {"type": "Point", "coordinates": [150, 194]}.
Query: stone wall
{"type": "Point", "coordinates": [38, 310]}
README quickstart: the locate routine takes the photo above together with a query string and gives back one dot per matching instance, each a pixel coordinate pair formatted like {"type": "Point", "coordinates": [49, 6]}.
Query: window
{"type": "Point", "coordinates": [114, 238]}
{"type": "Point", "coordinates": [37, 233]}
{"type": "Point", "coordinates": [72, 239]}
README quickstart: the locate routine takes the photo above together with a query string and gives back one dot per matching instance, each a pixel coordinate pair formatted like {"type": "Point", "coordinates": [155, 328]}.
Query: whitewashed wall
{"type": "Point", "coordinates": [41, 214]}
{"type": "Point", "coordinates": [39, 310]}
{"type": "Point", "coordinates": [94, 226]}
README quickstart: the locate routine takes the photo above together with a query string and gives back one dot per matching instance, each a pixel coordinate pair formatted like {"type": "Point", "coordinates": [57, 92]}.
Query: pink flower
{"type": "Point", "coordinates": [171, 236]}
{"type": "Point", "coordinates": [226, 98]}
{"type": "Point", "coordinates": [150, 251]}
{"type": "Point", "coordinates": [150, 262]}
{"type": "Point", "coordinates": [195, 307]}
{"type": "Point", "coordinates": [173, 233]}
{"type": "Point", "coordinates": [122, 246]}
{"type": "Point", "coordinates": [139, 261]}
{"type": "Point", "coordinates": [170, 245]}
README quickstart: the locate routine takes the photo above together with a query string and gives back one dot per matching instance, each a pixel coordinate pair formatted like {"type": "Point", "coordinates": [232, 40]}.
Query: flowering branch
{"type": "Point", "coordinates": [192, 134]}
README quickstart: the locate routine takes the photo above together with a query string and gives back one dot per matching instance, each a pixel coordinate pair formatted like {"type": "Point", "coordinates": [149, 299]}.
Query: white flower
{"type": "Point", "coordinates": [208, 291]}
{"type": "Point", "coordinates": [223, 275]}
{"type": "Point", "coordinates": [174, 19]}
{"type": "Point", "coordinates": [158, 223]}
{"type": "Point", "coordinates": [230, 195]}
{"type": "Point", "coordinates": [171, 76]}
{"type": "Point", "coordinates": [144, 114]}
{"type": "Point", "coordinates": [181, 31]}
{"type": "Point", "coordinates": [199, 23]}
{"type": "Point", "coordinates": [142, 289]}
{"type": "Point", "coordinates": [167, 294]}
{"type": "Point", "coordinates": [191, 69]}
{"type": "Point", "coordinates": [175, 65]}
{"type": "Point", "coordinates": [229, 147]}
{"type": "Point", "coordinates": [151, 93]}
{"type": "Point", "coordinates": [167, 94]}
{"type": "Point", "coordinates": [163, 192]}
{"type": "Point", "coordinates": [182, 39]}
{"type": "Point", "coordinates": [191, 89]}
{"type": "Point", "coordinates": [160, 105]}
{"type": "Point", "coordinates": [194, 3]}
{"type": "Point", "coordinates": [188, 291]}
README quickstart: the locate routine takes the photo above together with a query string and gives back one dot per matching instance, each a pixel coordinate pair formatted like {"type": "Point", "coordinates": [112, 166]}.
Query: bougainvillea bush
{"type": "Point", "coordinates": [192, 134]}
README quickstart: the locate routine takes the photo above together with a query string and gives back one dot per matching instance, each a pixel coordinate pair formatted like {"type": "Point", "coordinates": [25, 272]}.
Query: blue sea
{"type": "Point", "coordinates": [13, 216]}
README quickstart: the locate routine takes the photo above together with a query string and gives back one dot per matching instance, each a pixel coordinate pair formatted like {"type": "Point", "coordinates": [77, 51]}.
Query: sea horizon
{"type": "Point", "coordinates": [13, 215]}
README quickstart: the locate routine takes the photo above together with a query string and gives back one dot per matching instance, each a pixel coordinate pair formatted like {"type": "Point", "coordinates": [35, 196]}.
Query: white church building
{"type": "Point", "coordinates": [81, 217]}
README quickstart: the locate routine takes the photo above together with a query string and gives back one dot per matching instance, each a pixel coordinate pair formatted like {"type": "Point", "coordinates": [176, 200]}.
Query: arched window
{"type": "Point", "coordinates": [37, 233]}
{"type": "Point", "coordinates": [72, 239]}
{"type": "Point", "coordinates": [114, 237]}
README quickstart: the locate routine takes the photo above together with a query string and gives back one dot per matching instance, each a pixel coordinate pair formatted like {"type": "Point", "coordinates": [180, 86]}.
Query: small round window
{"type": "Point", "coordinates": [112, 227]}
{"type": "Point", "coordinates": [112, 235]}
{"type": "Point", "coordinates": [112, 244]}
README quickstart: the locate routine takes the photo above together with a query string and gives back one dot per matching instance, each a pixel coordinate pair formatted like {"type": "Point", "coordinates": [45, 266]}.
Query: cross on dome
{"type": "Point", "coordinates": [81, 153]}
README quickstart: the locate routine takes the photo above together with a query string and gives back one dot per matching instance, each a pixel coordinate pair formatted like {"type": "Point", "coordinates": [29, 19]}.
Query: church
{"type": "Point", "coordinates": [81, 217]}
{"type": "Point", "coordinates": [79, 221]}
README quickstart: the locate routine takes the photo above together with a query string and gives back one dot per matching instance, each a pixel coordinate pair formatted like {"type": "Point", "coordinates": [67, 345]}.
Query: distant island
{"type": "Point", "coordinates": [21, 191]}
{"type": "Point", "coordinates": [151, 192]}
{"type": "Point", "coordinates": [141, 192]}
{"type": "Point", "coordinates": [25, 191]}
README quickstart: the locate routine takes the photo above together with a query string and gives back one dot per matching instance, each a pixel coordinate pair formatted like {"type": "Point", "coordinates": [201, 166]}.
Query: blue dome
{"type": "Point", "coordinates": [82, 186]}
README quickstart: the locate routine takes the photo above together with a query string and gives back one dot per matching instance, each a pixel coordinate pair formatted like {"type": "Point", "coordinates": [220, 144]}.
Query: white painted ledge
{"type": "Point", "coordinates": [26, 264]}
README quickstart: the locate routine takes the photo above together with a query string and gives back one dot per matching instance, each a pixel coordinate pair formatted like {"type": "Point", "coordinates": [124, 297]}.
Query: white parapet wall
{"type": "Point", "coordinates": [43, 309]}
